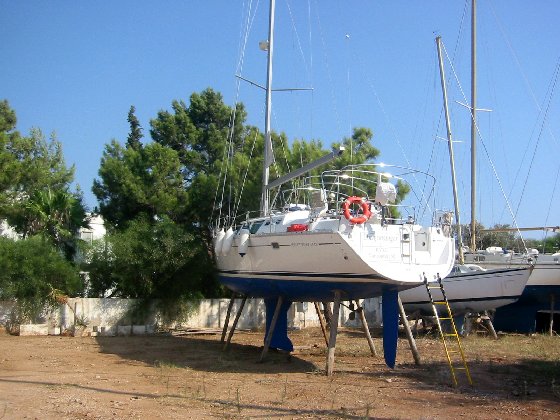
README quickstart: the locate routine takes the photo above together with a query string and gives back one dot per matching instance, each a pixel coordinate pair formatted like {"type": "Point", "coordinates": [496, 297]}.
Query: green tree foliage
{"type": "Point", "coordinates": [509, 240]}
{"type": "Point", "coordinates": [172, 178]}
{"type": "Point", "coordinates": [57, 216]}
{"type": "Point", "coordinates": [551, 244]}
{"type": "Point", "coordinates": [140, 181]}
{"type": "Point", "coordinates": [33, 163]}
{"type": "Point", "coordinates": [144, 181]}
{"type": "Point", "coordinates": [35, 195]}
{"type": "Point", "coordinates": [8, 160]}
{"type": "Point", "coordinates": [196, 147]}
{"type": "Point", "coordinates": [134, 139]}
{"type": "Point", "coordinates": [506, 240]}
{"type": "Point", "coordinates": [359, 148]}
{"type": "Point", "coordinates": [150, 260]}
{"type": "Point", "coordinates": [32, 271]}
{"type": "Point", "coordinates": [198, 132]}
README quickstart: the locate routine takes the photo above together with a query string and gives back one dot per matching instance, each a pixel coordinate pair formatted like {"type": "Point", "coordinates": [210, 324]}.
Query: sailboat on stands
{"type": "Point", "coordinates": [469, 288]}
{"type": "Point", "coordinates": [338, 236]}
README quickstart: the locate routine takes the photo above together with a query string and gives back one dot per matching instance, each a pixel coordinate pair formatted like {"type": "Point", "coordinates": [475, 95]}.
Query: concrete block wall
{"type": "Point", "coordinates": [110, 316]}
{"type": "Point", "coordinates": [33, 329]}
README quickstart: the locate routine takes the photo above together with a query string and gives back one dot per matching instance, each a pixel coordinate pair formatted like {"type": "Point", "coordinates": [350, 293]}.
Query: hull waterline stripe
{"type": "Point", "coordinates": [479, 299]}
{"type": "Point", "coordinates": [231, 273]}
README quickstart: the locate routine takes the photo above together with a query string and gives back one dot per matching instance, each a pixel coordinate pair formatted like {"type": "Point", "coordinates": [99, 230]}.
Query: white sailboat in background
{"type": "Point", "coordinates": [544, 282]}
{"type": "Point", "coordinates": [472, 290]}
{"type": "Point", "coordinates": [539, 294]}
{"type": "Point", "coordinates": [334, 237]}
{"type": "Point", "coordinates": [469, 288]}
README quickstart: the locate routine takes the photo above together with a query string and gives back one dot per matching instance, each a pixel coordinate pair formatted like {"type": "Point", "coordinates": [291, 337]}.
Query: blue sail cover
{"type": "Point", "coordinates": [390, 310]}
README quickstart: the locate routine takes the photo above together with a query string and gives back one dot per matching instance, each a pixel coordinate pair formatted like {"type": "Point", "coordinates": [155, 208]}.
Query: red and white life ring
{"type": "Point", "coordinates": [358, 220]}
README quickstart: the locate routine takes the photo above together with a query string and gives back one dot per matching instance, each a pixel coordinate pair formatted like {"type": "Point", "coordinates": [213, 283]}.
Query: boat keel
{"type": "Point", "coordinates": [390, 310]}
{"type": "Point", "coordinates": [280, 339]}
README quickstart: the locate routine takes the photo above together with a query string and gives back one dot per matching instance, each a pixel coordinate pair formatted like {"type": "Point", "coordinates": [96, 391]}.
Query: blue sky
{"type": "Point", "coordinates": [75, 68]}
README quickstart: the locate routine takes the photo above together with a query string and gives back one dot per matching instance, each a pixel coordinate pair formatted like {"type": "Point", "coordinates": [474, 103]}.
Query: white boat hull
{"type": "Point", "coordinates": [546, 272]}
{"type": "Point", "coordinates": [543, 283]}
{"type": "Point", "coordinates": [476, 291]}
{"type": "Point", "coordinates": [360, 260]}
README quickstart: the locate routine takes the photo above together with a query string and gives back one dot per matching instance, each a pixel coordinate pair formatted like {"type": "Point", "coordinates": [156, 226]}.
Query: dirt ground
{"type": "Point", "coordinates": [189, 376]}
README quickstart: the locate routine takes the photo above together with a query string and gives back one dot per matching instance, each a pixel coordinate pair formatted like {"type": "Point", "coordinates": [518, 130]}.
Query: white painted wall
{"type": "Point", "coordinates": [96, 228]}
{"type": "Point", "coordinates": [106, 315]}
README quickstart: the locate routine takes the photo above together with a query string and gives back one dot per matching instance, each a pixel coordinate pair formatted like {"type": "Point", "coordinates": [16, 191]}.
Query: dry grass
{"type": "Point", "coordinates": [191, 377]}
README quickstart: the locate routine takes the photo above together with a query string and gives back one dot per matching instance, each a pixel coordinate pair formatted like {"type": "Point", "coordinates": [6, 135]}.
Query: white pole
{"type": "Point", "coordinates": [267, 136]}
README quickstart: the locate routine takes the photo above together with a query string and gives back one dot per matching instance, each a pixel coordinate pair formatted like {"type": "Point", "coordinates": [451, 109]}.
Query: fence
{"type": "Point", "coordinates": [110, 316]}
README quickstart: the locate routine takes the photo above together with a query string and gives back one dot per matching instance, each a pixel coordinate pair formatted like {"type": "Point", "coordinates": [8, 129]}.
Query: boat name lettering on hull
{"type": "Point", "coordinates": [304, 244]}
{"type": "Point", "coordinates": [383, 238]}
{"type": "Point", "coordinates": [379, 250]}
{"type": "Point", "coordinates": [383, 254]}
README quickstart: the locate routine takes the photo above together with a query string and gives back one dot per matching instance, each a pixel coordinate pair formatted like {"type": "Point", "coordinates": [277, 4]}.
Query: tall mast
{"type": "Point", "coordinates": [473, 126]}
{"type": "Point", "coordinates": [451, 154]}
{"type": "Point", "coordinates": [268, 157]}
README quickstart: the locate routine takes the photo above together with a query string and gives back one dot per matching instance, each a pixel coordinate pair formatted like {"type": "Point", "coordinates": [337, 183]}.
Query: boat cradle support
{"type": "Point", "coordinates": [236, 320]}
{"type": "Point", "coordinates": [276, 326]}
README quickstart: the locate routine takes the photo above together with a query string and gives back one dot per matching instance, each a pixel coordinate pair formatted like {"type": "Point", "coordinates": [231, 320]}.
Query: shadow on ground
{"type": "Point", "coordinates": [522, 379]}
{"type": "Point", "coordinates": [202, 354]}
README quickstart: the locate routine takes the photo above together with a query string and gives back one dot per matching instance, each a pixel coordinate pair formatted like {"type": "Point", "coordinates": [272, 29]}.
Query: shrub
{"type": "Point", "coordinates": [151, 260]}
{"type": "Point", "coordinates": [33, 272]}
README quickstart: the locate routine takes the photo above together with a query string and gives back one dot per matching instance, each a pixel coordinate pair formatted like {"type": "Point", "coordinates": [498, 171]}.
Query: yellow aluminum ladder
{"type": "Point", "coordinates": [451, 341]}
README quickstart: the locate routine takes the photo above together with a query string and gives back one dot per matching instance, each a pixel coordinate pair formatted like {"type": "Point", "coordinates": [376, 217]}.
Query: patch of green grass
{"type": "Point", "coordinates": [227, 363]}
{"type": "Point", "coordinates": [161, 364]}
